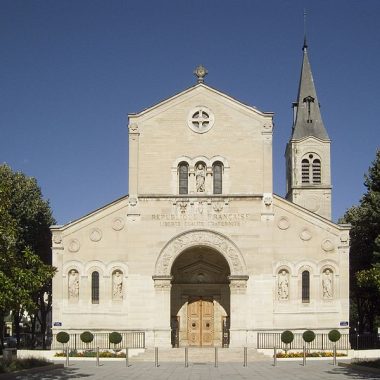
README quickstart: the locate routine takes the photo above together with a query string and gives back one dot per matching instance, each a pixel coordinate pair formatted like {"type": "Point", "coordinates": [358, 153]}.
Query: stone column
{"type": "Point", "coordinates": [162, 330]}
{"type": "Point", "coordinates": [238, 310]}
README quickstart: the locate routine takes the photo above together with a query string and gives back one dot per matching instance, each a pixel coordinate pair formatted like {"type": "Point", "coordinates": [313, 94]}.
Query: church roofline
{"type": "Point", "coordinates": [301, 209]}
{"type": "Point", "coordinates": [192, 88]}
{"type": "Point", "coordinates": [61, 227]}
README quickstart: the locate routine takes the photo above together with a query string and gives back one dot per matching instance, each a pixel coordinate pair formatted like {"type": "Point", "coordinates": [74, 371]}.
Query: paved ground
{"type": "Point", "coordinates": [258, 370]}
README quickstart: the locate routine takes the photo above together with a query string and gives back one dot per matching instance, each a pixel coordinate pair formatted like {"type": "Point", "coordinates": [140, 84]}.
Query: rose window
{"type": "Point", "coordinates": [200, 119]}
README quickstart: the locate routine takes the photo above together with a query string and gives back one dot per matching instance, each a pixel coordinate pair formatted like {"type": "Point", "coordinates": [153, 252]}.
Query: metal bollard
{"type": "Point", "coordinates": [274, 356]}
{"type": "Point", "coordinates": [216, 356]}
{"type": "Point", "coordinates": [156, 356]}
{"type": "Point", "coordinates": [126, 357]}
{"type": "Point", "coordinates": [186, 357]}
{"type": "Point", "coordinates": [97, 356]}
{"type": "Point", "coordinates": [245, 357]}
{"type": "Point", "coordinates": [334, 350]}
{"type": "Point", "coordinates": [67, 356]}
{"type": "Point", "coordinates": [304, 356]}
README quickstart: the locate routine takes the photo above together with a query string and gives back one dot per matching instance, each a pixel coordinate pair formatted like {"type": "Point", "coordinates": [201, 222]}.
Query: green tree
{"type": "Point", "coordinates": [25, 270]}
{"type": "Point", "coordinates": [365, 251]}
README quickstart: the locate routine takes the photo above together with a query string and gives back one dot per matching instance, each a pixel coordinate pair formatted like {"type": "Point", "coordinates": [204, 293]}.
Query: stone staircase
{"type": "Point", "coordinates": [199, 355]}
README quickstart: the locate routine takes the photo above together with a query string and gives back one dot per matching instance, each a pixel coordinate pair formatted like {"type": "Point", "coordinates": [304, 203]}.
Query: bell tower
{"type": "Point", "coordinates": [307, 154]}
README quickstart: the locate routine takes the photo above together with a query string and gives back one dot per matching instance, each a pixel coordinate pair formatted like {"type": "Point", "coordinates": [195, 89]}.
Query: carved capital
{"type": "Point", "coordinates": [238, 284]}
{"type": "Point", "coordinates": [162, 282]}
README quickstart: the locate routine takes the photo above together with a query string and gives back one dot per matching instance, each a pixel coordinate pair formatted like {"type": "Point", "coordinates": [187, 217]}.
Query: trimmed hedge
{"type": "Point", "coordinates": [63, 337]}
{"type": "Point", "coordinates": [115, 337]}
{"type": "Point", "coordinates": [86, 337]}
{"type": "Point", "coordinates": [308, 336]}
{"type": "Point", "coordinates": [287, 337]}
{"type": "Point", "coordinates": [334, 335]}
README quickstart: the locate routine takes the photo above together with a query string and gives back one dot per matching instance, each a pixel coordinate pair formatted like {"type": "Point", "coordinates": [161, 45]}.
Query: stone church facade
{"type": "Point", "coordinates": [201, 252]}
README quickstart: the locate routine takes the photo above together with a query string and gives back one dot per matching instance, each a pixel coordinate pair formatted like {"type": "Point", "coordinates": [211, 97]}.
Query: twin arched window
{"type": "Point", "coordinates": [200, 178]}
{"type": "Point", "coordinates": [311, 169]}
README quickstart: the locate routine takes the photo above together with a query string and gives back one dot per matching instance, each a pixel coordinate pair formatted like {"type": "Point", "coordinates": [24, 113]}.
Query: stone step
{"type": "Point", "coordinates": [199, 355]}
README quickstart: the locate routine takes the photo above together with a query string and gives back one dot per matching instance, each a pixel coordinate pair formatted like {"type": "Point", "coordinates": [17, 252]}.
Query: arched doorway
{"type": "Point", "coordinates": [200, 298]}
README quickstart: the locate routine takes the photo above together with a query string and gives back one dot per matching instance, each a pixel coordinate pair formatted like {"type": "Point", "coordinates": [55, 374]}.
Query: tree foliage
{"type": "Point", "coordinates": [25, 270]}
{"type": "Point", "coordinates": [365, 251]}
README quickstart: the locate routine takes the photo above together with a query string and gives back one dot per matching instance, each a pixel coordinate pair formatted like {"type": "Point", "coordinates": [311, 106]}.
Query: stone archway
{"type": "Point", "coordinates": [237, 280]}
{"type": "Point", "coordinates": [200, 298]}
{"type": "Point", "coordinates": [206, 238]}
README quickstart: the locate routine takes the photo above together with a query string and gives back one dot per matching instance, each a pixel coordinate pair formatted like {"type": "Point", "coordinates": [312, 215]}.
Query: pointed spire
{"type": "Point", "coordinates": [308, 119]}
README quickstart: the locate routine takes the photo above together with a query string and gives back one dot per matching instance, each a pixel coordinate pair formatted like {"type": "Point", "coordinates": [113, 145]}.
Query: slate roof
{"type": "Point", "coordinates": [308, 120]}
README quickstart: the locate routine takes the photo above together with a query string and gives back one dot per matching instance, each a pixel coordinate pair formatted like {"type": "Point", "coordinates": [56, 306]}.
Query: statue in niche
{"type": "Point", "coordinates": [283, 285]}
{"type": "Point", "coordinates": [327, 284]}
{"type": "Point", "coordinates": [117, 285]}
{"type": "Point", "coordinates": [200, 175]}
{"type": "Point", "coordinates": [73, 284]}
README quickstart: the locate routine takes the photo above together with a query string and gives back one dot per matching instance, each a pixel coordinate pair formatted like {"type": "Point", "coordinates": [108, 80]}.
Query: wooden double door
{"type": "Point", "coordinates": [200, 321]}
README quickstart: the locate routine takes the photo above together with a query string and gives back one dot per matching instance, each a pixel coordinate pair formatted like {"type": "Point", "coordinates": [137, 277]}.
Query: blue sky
{"type": "Point", "coordinates": [71, 71]}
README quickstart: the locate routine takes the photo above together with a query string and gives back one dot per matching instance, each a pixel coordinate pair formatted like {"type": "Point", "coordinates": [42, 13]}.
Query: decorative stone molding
{"type": "Point", "coordinates": [238, 284]}
{"type": "Point", "coordinates": [305, 235]}
{"type": "Point", "coordinates": [182, 206]}
{"type": "Point", "coordinates": [196, 238]}
{"type": "Point", "coordinates": [57, 237]}
{"type": "Point", "coordinates": [132, 202]}
{"type": "Point", "coordinates": [345, 239]}
{"type": "Point", "coordinates": [283, 223]}
{"type": "Point", "coordinates": [96, 235]}
{"type": "Point", "coordinates": [74, 245]}
{"type": "Point", "coordinates": [118, 223]}
{"type": "Point", "coordinates": [327, 245]}
{"type": "Point", "coordinates": [217, 206]}
{"type": "Point", "coordinates": [133, 128]}
{"type": "Point", "coordinates": [268, 199]}
{"type": "Point", "coordinates": [162, 282]}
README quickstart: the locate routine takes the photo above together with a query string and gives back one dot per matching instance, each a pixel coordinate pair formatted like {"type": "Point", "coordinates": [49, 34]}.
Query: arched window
{"type": "Point", "coordinates": [305, 171]}
{"type": "Point", "coordinates": [95, 287]}
{"type": "Point", "coordinates": [305, 286]}
{"type": "Point", "coordinates": [316, 171]}
{"type": "Point", "coordinates": [217, 171]}
{"type": "Point", "coordinates": [183, 178]}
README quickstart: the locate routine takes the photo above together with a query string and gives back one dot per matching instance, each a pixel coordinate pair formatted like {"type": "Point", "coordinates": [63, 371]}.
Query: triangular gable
{"type": "Point", "coordinates": [177, 98]}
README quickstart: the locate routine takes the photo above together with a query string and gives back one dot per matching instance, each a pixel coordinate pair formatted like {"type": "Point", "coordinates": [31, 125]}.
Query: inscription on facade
{"type": "Point", "coordinates": [203, 220]}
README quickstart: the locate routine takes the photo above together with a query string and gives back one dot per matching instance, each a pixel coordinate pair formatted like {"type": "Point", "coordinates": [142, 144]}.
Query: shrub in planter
{"type": "Point", "coordinates": [308, 336]}
{"type": "Point", "coordinates": [287, 337]}
{"type": "Point", "coordinates": [334, 335]}
{"type": "Point", "coordinates": [115, 337]}
{"type": "Point", "coordinates": [86, 337]}
{"type": "Point", "coordinates": [63, 337]}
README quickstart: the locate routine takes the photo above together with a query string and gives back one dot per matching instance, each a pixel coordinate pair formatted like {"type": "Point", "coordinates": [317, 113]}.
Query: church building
{"type": "Point", "coordinates": [201, 252]}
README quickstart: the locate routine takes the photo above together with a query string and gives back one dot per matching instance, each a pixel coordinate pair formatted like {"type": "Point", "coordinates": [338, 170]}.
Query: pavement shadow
{"type": "Point", "coordinates": [56, 374]}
